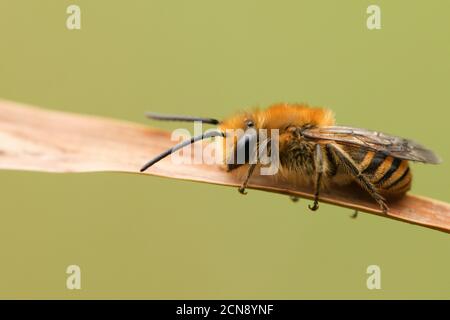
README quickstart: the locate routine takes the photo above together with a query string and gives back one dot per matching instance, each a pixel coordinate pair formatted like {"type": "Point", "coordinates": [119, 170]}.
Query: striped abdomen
{"type": "Point", "coordinates": [391, 176]}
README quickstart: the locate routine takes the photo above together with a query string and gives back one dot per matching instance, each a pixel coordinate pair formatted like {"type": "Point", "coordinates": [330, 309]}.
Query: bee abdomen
{"type": "Point", "coordinates": [389, 174]}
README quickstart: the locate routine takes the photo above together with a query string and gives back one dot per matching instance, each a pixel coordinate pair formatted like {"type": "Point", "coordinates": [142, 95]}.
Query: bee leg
{"type": "Point", "coordinates": [362, 179]}
{"type": "Point", "coordinates": [318, 165]}
{"type": "Point", "coordinates": [355, 214]}
{"type": "Point", "coordinates": [247, 178]}
{"type": "Point", "coordinates": [294, 198]}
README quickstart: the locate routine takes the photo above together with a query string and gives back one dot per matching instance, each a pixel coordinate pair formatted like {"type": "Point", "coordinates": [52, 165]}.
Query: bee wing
{"type": "Point", "coordinates": [377, 141]}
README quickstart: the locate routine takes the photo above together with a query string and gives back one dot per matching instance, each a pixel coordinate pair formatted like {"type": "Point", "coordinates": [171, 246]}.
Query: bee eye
{"type": "Point", "coordinates": [249, 123]}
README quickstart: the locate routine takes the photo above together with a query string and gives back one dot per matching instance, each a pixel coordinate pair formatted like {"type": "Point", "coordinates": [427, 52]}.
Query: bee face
{"type": "Point", "coordinates": [241, 139]}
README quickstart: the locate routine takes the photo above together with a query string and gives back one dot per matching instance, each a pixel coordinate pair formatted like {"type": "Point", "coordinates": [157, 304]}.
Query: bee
{"type": "Point", "coordinates": [314, 151]}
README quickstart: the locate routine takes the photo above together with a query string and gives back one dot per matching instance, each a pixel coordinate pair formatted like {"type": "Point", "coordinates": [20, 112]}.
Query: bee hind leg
{"type": "Point", "coordinates": [318, 165]}
{"type": "Point", "coordinates": [294, 198]}
{"type": "Point", "coordinates": [361, 178]}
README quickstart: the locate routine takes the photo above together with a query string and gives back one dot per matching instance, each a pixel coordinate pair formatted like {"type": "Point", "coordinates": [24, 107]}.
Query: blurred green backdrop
{"type": "Point", "coordinates": [148, 237]}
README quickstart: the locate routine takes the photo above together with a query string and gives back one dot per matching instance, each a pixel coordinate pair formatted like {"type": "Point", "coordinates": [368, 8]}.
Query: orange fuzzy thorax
{"type": "Point", "coordinates": [280, 116]}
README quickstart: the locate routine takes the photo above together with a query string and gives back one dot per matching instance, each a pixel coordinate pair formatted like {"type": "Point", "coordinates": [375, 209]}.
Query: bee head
{"type": "Point", "coordinates": [242, 138]}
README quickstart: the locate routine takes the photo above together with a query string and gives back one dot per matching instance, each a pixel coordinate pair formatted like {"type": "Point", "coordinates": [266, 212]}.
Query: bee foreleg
{"type": "Point", "coordinates": [294, 198]}
{"type": "Point", "coordinates": [362, 179]}
{"type": "Point", "coordinates": [318, 165]}
{"type": "Point", "coordinates": [247, 178]}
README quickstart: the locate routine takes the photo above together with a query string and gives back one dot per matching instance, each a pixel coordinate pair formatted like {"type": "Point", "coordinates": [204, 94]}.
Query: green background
{"type": "Point", "coordinates": [147, 237]}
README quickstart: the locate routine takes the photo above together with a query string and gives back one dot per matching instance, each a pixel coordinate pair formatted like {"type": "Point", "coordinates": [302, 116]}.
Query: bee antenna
{"type": "Point", "coordinates": [183, 144]}
{"type": "Point", "coordinates": [171, 117]}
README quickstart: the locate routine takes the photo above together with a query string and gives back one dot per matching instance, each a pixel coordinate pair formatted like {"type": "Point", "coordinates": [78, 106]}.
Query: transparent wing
{"type": "Point", "coordinates": [395, 146]}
